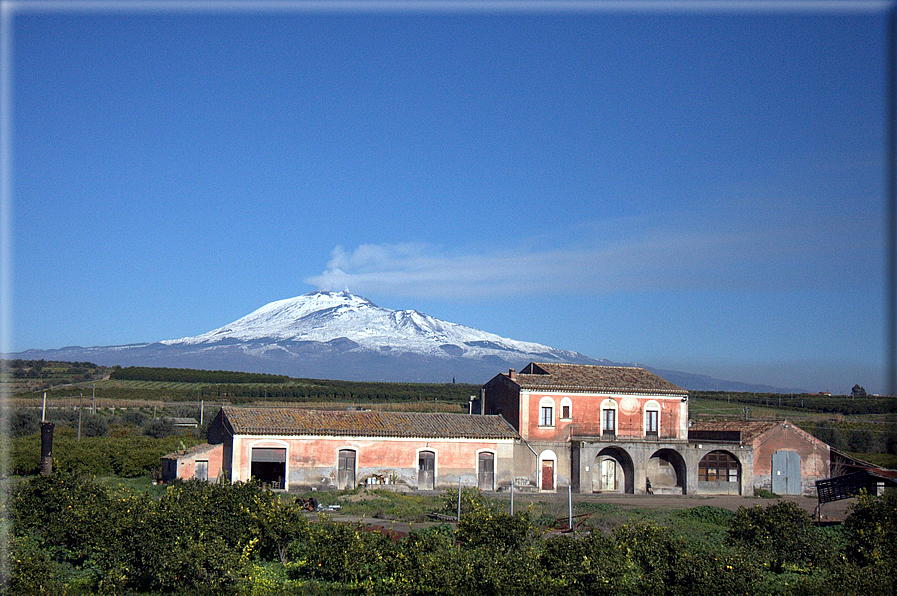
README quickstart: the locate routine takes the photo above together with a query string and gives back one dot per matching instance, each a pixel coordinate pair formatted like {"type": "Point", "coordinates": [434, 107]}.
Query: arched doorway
{"type": "Point", "coordinates": [719, 473]}
{"type": "Point", "coordinates": [548, 472]}
{"type": "Point", "coordinates": [666, 472]}
{"type": "Point", "coordinates": [613, 472]}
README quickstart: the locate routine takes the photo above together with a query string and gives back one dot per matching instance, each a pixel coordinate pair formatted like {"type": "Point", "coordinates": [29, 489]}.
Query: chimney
{"type": "Point", "coordinates": [512, 374]}
{"type": "Point", "coordinates": [46, 448]}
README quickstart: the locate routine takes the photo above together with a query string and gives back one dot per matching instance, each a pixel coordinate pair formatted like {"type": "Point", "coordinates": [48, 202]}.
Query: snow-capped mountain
{"type": "Point", "coordinates": [334, 336]}
{"type": "Point", "coordinates": [329, 316]}
{"type": "Point", "coordinates": [329, 335]}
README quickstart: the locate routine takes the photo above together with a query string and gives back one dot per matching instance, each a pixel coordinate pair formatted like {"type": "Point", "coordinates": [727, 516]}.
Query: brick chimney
{"type": "Point", "coordinates": [512, 373]}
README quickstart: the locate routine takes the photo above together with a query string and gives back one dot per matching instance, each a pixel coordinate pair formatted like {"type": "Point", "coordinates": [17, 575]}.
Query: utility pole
{"type": "Point", "coordinates": [94, 400]}
{"type": "Point", "coordinates": [80, 396]}
{"type": "Point", "coordinates": [43, 412]}
{"type": "Point", "coordinates": [570, 507]}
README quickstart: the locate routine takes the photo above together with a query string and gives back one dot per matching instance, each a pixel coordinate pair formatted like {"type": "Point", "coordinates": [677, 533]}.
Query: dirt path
{"type": "Point", "coordinates": [836, 511]}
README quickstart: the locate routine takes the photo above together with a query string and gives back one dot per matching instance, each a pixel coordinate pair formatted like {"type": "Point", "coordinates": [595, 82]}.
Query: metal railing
{"type": "Point", "coordinates": [624, 433]}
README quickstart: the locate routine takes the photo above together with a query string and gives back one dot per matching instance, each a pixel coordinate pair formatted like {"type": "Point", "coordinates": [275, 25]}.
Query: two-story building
{"type": "Point", "coordinates": [596, 428]}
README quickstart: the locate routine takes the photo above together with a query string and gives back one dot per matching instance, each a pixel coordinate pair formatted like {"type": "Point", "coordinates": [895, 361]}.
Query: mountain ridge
{"type": "Point", "coordinates": [342, 336]}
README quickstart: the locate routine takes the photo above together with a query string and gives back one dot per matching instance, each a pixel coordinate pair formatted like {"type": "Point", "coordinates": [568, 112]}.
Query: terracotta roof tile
{"type": "Point", "coordinates": [195, 450]}
{"type": "Point", "coordinates": [588, 377]}
{"type": "Point", "coordinates": [296, 421]}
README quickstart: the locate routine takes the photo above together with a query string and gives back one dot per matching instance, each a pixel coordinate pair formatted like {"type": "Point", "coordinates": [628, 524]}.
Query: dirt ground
{"type": "Point", "coordinates": [836, 511]}
{"type": "Point", "coordinates": [832, 512]}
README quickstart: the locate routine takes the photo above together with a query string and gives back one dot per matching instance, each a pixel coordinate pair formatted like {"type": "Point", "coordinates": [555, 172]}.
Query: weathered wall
{"type": "Point", "coordinates": [586, 415]}
{"type": "Point", "coordinates": [814, 456]}
{"type": "Point", "coordinates": [186, 464]}
{"type": "Point", "coordinates": [313, 461]}
{"type": "Point", "coordinates": [503, 399]}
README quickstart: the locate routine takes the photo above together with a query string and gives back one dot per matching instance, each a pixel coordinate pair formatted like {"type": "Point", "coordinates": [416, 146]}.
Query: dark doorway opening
{"type": "Point", "coordinates": [268, 466]}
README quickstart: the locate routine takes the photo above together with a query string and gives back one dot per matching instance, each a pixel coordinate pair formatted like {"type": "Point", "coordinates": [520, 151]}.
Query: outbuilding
{"type": "Point", "coordinates": [288, 448]}
{"type": "Point", "coordinates": [786, 459]}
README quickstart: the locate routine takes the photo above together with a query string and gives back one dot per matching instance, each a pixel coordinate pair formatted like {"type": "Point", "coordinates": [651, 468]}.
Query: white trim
{"type": "Point", "coordinates": [435, 453]}
{"type": "Point", "coordinates": [548, 454]}
{"type": "Point", "coordinates": [614, 395]}
{"type": "Point", "coordinates": [494, 466]}
{"type": "Point", "coordinates": [509, 441]}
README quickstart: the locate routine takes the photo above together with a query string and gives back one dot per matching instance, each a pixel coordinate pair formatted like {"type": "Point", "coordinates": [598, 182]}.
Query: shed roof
{"type": "Point", "coordinates": [195, 450]}
{"type": "Point", "coordinates": [297, 421]}
{"type": "Point", "coordinates": [590, 377]}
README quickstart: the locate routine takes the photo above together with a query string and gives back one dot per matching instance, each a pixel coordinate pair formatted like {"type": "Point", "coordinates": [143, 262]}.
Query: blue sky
{"type": "Point", "coordinates": [691, 190]}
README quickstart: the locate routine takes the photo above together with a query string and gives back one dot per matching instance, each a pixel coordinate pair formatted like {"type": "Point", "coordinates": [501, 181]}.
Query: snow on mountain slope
{"type": "Point", "coordinates": [328, 316]}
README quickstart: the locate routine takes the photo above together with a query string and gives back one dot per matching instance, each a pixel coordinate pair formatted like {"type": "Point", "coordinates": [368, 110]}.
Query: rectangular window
{"type": "Point", "coordinates": [609, 420]}
{"type": "Point", "coordinates": [546, 417]}
{"type": "Point", "coordinates": [565, 412]}
{"type": "Point", "coordinates": [651, 419]}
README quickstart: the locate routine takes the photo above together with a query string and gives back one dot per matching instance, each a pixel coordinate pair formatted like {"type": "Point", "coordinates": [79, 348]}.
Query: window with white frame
{"type": "Point", "coordinates": [652, 419]}
{"type": "Point", "coordinates": [609, 417]}
{"type": "Point", "coordinates": [546, 412]}
{"type": "Point", "coordinates": [566, 409]}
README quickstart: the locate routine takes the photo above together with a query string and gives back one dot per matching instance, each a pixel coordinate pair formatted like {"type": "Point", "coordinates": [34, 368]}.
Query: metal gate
{"type": "Point", "coordinates": [426, 470]}
{"type": "Point", "coordinates": [345, 477]}
{"type": "Point", "coordinates": [786, 473]}
{"type": "Point", "coordinates": [486, 471]}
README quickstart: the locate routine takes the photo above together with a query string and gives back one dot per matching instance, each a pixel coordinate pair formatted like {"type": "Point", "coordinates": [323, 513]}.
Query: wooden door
{"type": "Point", "coordinates": [202, 470]}
{"type": "Point", "coordinates": [608, 475]}
{"type": "Point", "coordinates": [345, 476]}
{"type": "Point", "coordinates": [486, 471]}
{"type": "Point", "coordinates": [426, 470]}
{"type": "Point", "coordinates": [547, 474]}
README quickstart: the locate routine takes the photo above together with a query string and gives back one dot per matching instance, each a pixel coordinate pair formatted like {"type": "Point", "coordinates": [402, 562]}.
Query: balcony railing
{"type": "Point", "coordinates": [623, 433]}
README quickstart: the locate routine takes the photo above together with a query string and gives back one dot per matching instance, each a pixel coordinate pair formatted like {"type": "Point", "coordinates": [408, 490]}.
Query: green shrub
{"type": "Point", "coordinates": [501, 532]}
{"type": "Point", "coordinates": [762, 493]}
{"type": "Point", "coordinates": [870, 532]}
{"type": "Point", "coordinates": [583, 565]}
{"type": "Point", "coordinates": [780, 534]}
{"type": "Point", "coordinates": [34, 569]}
{"type": "Point", "coordinates": [471, 499]}
{"type": "Point", "coordinates": [63, 512]}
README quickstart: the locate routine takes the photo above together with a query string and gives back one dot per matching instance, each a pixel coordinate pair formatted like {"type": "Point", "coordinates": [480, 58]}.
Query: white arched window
{"type": "Point", "coordinates": [652, 419]}
{"type": "Point", "coordinates": [546, 412]}
{"type": "Point", "coordinates": [566, 408]}
{"type": "Point", "coordinates": [608, 418]}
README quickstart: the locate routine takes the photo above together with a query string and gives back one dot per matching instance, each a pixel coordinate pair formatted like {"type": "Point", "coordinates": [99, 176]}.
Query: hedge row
{"type": "Point", "coordinates": [70, 535]}
{"type": "Point", "coordinates": [189, 375]}
{"type": "Point", "coordinates": [819, 403]}
{"type": "Point", "coordinates": [129, 456]}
